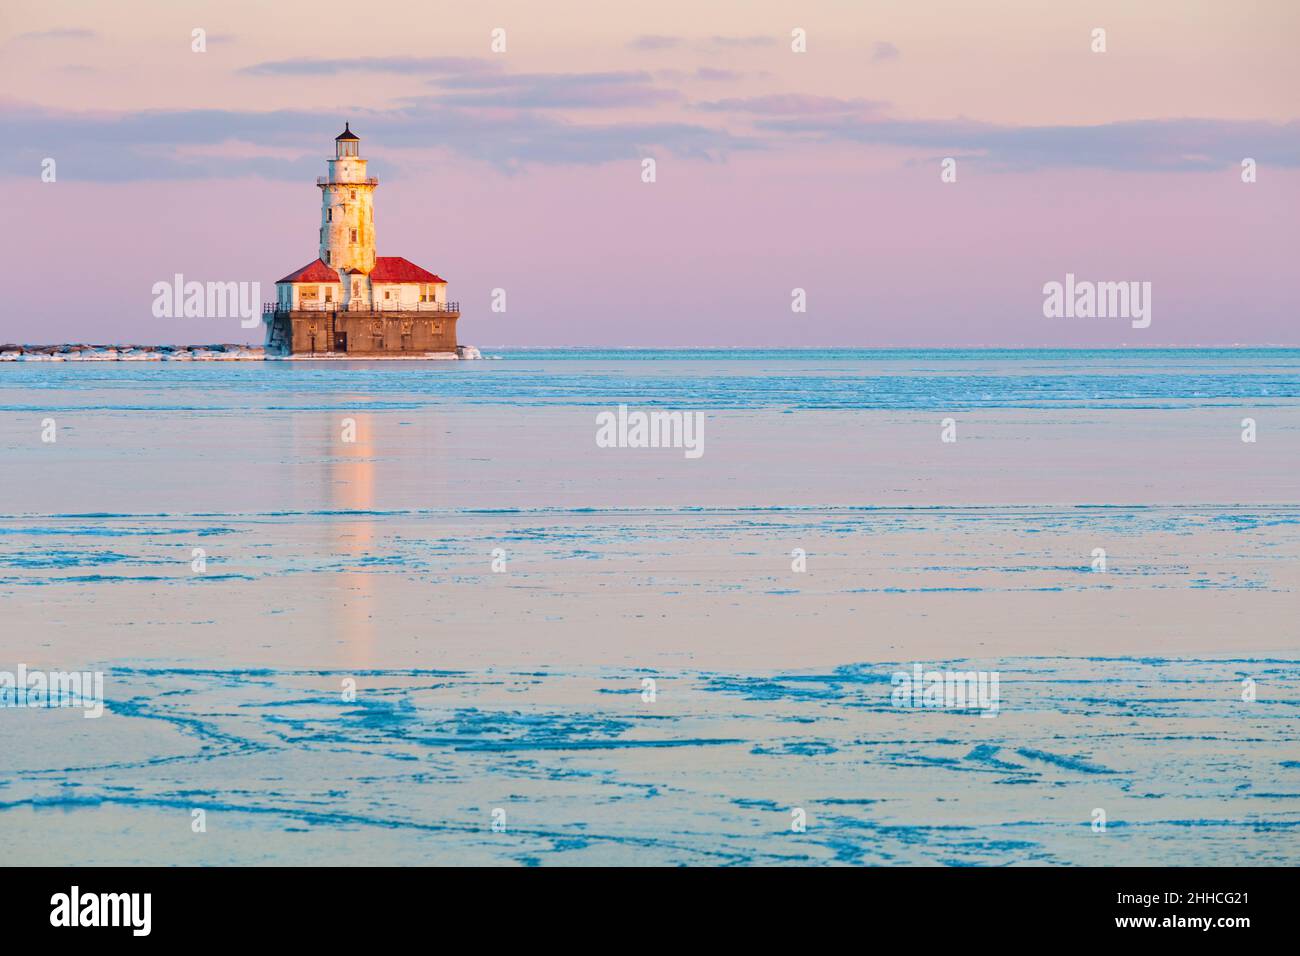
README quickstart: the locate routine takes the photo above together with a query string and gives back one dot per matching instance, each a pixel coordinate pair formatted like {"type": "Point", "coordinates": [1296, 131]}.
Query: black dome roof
{"type": "Point", "coordinates": [346, 134]}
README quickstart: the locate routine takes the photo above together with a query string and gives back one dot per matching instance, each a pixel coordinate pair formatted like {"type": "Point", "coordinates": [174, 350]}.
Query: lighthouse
{"type": "Point", "coordinates": [347, 207]}
{"type": "Point", "coordinates": [349, 301]}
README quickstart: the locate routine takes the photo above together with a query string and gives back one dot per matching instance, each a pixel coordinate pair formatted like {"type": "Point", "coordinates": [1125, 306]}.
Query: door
{"type": "Point", "coordinates": [340, 341]}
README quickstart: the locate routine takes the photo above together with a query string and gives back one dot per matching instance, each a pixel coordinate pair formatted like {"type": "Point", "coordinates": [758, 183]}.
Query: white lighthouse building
{"type": "Point", "coordinates": [349, 300]}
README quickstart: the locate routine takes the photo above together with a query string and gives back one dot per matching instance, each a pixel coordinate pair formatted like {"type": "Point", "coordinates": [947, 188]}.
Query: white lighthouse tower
{"type": "Point", "coordinates": [347, 214]}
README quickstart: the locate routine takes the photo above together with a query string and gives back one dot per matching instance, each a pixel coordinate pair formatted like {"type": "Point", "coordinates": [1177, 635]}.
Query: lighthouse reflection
{"type": "Point", "coordinates": [351, 481]}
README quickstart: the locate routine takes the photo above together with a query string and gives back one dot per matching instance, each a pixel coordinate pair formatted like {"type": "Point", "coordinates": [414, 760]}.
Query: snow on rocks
{"type": "Point", "coordinates": [130, 353]}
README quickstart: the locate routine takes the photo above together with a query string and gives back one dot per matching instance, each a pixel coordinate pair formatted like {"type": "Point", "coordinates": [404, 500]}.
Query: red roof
{"type": "Point", "coordinates": [315, 271]}
{"type": "Point", "coordinates": [397, 269]}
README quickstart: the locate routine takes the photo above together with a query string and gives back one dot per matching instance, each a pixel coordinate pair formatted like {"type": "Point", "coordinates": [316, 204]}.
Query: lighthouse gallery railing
{"type": "Point", "coordinates": [272, 307]}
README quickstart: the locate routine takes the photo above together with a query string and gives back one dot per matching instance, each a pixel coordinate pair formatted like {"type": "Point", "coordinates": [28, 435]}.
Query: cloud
{"type": "Point", "coordinates": [520, 130]}
{"type": "Point", "coordinates": [714, 75]}
{"type": "Point", "coordinates": [553, 91]}
{"type": "Point", "coordinates": [790, 104]}
{"type": "Point", "coordinates": [1137, 145]}
{"type": "Point", "coordinates": [884, 50]}
{"type": "Point", "coordinates": [748, 41]}
{"type": "Point", "coordinates": [706, 74]}
{"type": "Point", "coordinates": [476, 82]}
{"type": "Point", "coordinates": [650, 41]}
{"type": "Point", "coordinates": [192, 144]}
{"type": "Point", "coordinates": [60, 33]}
{"type": "Point", "coordinates": [406, 65]}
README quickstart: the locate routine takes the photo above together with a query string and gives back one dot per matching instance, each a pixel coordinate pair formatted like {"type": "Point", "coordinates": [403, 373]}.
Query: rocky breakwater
{"type": "Point", "coordinates": [175, 353]}
{"type": "Point", "coordinates": [130, 353]}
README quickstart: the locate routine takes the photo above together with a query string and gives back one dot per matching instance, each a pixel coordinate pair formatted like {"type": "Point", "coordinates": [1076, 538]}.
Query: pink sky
{"type": "Point", "coordinates": [776, 170]}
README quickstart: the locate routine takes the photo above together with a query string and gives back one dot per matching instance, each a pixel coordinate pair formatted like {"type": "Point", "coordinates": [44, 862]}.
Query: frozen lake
{"type": "Point", "coordinates": [327, 564]}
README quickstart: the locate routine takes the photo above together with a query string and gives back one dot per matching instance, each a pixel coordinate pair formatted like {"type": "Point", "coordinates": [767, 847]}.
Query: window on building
{"type": "Point", "coordinates": [327, 257]}
{"type": "Point", "coordinates": [329, 214]}
{"type": "Point", "coordinates": [354, 235]}
{"type": "Point", "coordinates": [387, 294]}
{"type": "Point", "coordinates": [352, 194]}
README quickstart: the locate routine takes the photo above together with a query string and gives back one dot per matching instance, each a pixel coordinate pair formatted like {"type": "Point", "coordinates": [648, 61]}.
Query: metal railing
{"type": "Point", "coordinates": [269, 308]}
{"type": "Point", "coordinates": [326, 181]}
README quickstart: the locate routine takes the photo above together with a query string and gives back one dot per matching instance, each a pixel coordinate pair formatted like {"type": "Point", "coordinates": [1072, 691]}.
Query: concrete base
{"type": "Point", "coordinates": [365, 357]}
{"type": "Point", "coordinates": [362, 334]}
